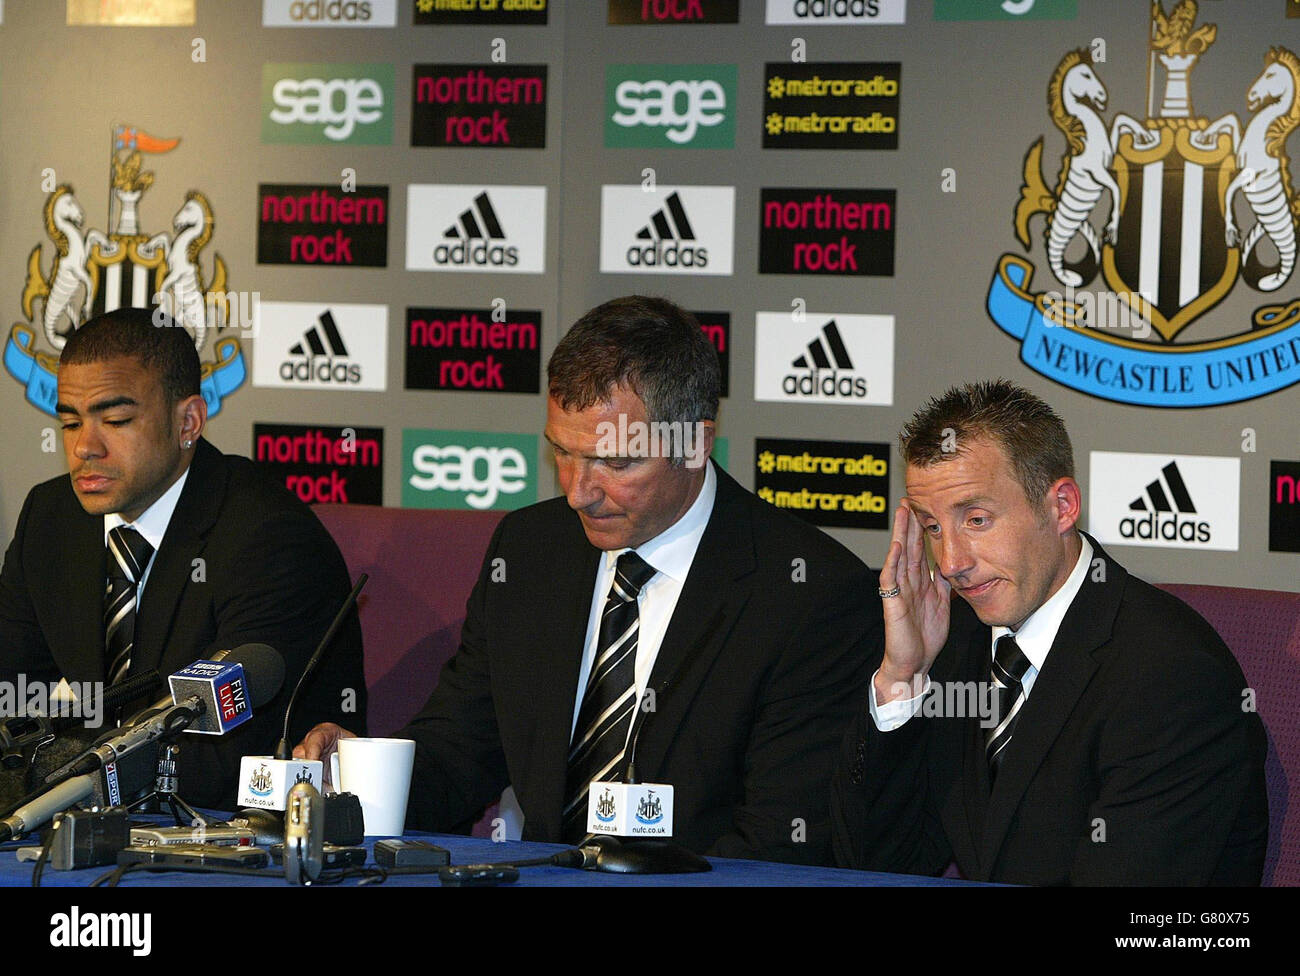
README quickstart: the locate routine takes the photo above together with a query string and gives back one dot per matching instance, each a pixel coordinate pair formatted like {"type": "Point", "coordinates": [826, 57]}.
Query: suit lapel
{"type": "Point", "coordinates": [568, 587]}
{"type": "Point", "coordinates": [1066, 672]}
{"type": "Point", "coordinates": [710, 603]}
{"type": "Point", "coordinates": [80, 583]}
{"type": "Point", "coordinates": [975, 767]}
{"type": "Point", "coordinates": [173, 564]}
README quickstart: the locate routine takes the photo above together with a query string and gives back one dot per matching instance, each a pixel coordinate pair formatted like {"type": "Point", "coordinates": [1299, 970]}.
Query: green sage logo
{"type": "Point", "coordinates": [1005, 9]}
{"type": "Point", "coordinates": [468, 469]}
{"type": "Point", "coordinates": [328, 103]}
{"type": "Point", "coordinates": [670, 106]}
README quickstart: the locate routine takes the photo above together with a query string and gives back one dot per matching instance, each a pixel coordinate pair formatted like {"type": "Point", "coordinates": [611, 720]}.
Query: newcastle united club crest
{"type": "Point", "coordinates": [90, 272]}
{"type": "Point", "coordinates": [1150, 223]}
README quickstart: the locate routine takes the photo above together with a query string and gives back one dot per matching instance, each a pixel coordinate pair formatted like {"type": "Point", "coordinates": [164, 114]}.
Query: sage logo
{"type": "Point", "coordinates": [308, 346]}
{"type": "Point", "coordinates": [464, 469]}
{"type": "Point", "coordinates": [845, 359]}
{"type": "Point", "coordinates": [329, 13]}
{"type": "Point", "coordinates": [327, 103]}
{"type": "Point", "coordinates": [476, 228]}
{"type": "Point", "coordinates": [672, 106]}
{"type": "Point", "coordinates": [1182, 502]}
{"type": "Point", "coordinates": [1005, 9]}
{"type": "Point", "coordinates": [838, 12]}
{"type": "Point", "coordinates": [669, 230]}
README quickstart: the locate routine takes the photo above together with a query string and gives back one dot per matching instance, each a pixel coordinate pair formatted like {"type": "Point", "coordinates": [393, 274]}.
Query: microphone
{"type": "Point", "coordinates": [39, 811]}
{"type": "Point", "coordinates": [283, 749]}
{"type": "Point", "coordinates": [641, 813]}
{"type": "Point", "coordinates": [235, 653]}
{"type": "Point", "coordinates": [265, 781]}
{"type": "Point", "coordinates": [218, 699]}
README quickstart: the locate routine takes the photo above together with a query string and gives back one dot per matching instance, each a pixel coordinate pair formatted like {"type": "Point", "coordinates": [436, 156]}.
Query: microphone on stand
{"type": "Point", "coordinates": [265, 781]}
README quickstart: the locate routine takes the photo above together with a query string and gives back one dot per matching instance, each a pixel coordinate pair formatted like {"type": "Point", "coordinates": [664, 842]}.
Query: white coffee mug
{"type": "Point", "coordinates": [378, 772]}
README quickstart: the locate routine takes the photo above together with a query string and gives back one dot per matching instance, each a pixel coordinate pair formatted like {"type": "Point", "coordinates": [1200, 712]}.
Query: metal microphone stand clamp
{"type": "Point", "coordinates": [166, 786]}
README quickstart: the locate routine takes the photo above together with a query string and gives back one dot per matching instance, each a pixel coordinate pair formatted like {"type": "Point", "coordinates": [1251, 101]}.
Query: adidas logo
{"type": "Point", "coordinates": [474, 231]}
{"type": "Point", "coordinates": [321, 355]}
{"type": "Point", "coordinates": [826, 374]}
{"type": "Point", "coordinates": [668, 227]}
{"type": "Point", "coordinates": [1167, 511]}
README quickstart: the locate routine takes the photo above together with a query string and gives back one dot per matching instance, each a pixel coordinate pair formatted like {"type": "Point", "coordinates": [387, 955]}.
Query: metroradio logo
{"type": "Point", "coordinates": [448, 229]}
{"type": "Point", "coordinates": [1154, 500]}
{"type": "Point", "coordinates": [675, 230]}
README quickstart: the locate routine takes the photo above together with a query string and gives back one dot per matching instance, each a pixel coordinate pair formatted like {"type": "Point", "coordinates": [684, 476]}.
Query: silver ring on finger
{"type": "Point", "coordinates": [888, 594]}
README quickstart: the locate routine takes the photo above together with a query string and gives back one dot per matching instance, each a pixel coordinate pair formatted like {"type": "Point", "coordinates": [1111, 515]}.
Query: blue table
{"type": "Point", "coordinates": [474, 850]}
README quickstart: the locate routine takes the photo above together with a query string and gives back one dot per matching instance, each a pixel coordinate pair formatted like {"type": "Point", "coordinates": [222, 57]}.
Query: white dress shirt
{"type": "Point", "coordinates": [1035, 638]}
{"type": "Point", "coordinates": [152, 524]}
{"type": "Point", "coordinates": [671, 553]}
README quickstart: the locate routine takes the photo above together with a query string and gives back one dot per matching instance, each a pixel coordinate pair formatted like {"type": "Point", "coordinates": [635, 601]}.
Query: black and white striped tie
{"type": "Point", "coordinates": [128, 557]}
{"type": "Point", "coordinates": [1009, 667]}
{"type": "Point", "coordinates": [609, 702]}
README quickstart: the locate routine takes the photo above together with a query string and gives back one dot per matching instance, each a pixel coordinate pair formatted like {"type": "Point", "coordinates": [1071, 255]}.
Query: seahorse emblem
{"type": "Point", "coordinates": [1076, 98]}
{"type": "Point", "coordinates": [1264, 170]}
{"type": "Point", "coordinates": [68, 275]}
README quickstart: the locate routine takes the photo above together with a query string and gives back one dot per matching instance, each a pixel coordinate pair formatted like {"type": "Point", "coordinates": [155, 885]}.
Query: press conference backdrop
{"type": "Point", "coordinates": [377, 218]}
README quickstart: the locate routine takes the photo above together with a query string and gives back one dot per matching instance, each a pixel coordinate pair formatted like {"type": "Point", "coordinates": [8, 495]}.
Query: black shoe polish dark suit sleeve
{"type": "Point", "coordinates": [768, 651]}
{"type": "Point", "coordinates": [242, 561]}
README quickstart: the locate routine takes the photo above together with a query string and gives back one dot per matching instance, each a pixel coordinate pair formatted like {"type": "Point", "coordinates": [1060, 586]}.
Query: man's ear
{"type": "Point", "coordinates": [701, 445]}
{"type": "Point", "coordinates": [1066, 504]}
{"type": "Point", "coordinates": [191, 416]}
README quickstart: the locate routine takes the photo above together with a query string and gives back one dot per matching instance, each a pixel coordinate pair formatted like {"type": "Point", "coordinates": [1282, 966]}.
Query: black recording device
{"type": "Point", "coordinates": [477, 875]}
{"type": "Point", "coordinates": [394, 853]}
{"type": "Point", "coordinates": [332, 855]}
{"type": "Point", "coordinates": [85, 839]}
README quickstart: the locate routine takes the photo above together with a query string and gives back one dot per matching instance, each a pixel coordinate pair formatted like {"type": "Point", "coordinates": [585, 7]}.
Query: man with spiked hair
{"type": "Point", "coordinates": [1100, 734]}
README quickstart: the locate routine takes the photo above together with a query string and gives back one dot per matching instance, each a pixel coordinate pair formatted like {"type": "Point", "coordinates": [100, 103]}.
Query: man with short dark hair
{"type": "Point", "coordinates": [657, 614]}
{"type": "Point", "coordinates": [157, 550]}
{"type": "Point", "coordinates": [1063, 722]}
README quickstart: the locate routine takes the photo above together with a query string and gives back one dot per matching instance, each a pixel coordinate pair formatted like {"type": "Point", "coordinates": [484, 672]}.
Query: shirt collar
{"type": "Point", "coordinates": [1037, 634]}
{"type": "Point", "coordinates": [672, 550]}
{"type": "Point", "coordinates": [153, 522]}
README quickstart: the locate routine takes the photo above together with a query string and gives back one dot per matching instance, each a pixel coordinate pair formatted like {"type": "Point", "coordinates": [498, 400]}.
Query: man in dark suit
{"type": "Point", "coordinates": [744, 636]}
{"type": "Point", "coordinates": [1062, 723]}
{"type": "Point", "coordinates": [215, 555]}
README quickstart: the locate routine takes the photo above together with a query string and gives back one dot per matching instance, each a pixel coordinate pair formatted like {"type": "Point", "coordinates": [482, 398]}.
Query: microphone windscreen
{"type": "Point", "coordinates": [263, 667]}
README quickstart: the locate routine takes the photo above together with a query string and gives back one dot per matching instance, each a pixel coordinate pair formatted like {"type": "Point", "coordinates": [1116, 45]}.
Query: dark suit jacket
{"type": "Point", "coordinates": [270, 573]}
{"type": "Point", "coordinates": [764, 660]}
{"type": "Point", "coordinates": [1132, 762]}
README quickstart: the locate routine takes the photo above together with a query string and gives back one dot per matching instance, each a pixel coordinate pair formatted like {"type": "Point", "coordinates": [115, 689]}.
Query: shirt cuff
{"type": "Point", "coordinates": [893, 714]}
